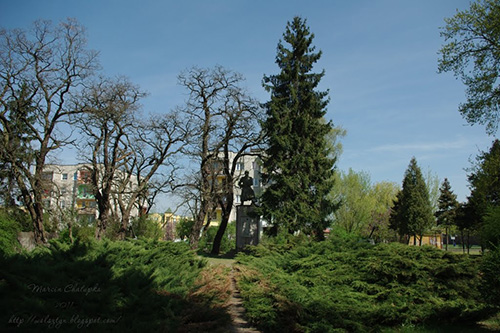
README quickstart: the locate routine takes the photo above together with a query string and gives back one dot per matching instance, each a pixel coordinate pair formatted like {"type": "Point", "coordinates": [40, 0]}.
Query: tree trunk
{"type": "Point", "coordinates": [122, 233]}
{"type": "Point", "coordinates": [38, 228]}
{"type": "Point", "coordinates": [446, 230]}
{"type": "Point", "coordinates": [463, 240]}
{"type": "Point", "coordinates": [102, 224]}
{"type": "Point", "coordinates": [194, 238]}
{"type": "Point", "coordinates": [218, 237]}
{"type": "Point", "coordinates": [70, 232]}
{"type": "Point", "coordinates": [468, 242]}
{"type": "Point", "coordinates": [226, 212]}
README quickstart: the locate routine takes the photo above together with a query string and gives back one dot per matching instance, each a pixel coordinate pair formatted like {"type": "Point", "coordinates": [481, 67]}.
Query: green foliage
{"type": "Point", "coordinates": [364, 207]}
{"type": "Point", "coordinates": [447, 205]}
{"type": "Point", "coordinates": [228, 242]}
{"type": "Point", "coordinates": [353, 191]}
{"type": "Point", "coordinates": [484, 183]}
{"type": "Point", "coordinates": [297, 161]}
{"type": "Point", "coordinates": [146, 227]}
{"type": "Point", "coordinates": [9, 229]}
{"type": "Point", "coordinates": [136, 285]}
{"type": "Point", "coordinates": [349, 285]}
{"type": "Point", "coordinates": [490, 269]}
{"type": "Point", "coordinates": [184, 228]}
{"type": "Point", "coordinates": [413, 212]}
{"type": "Point", "coordinates": [472, 53]}
{"type": "Point", "coordinates": [490, 231]}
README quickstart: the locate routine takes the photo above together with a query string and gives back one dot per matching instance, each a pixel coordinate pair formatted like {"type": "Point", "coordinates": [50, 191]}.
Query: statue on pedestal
{"type": "Point", "coordinates": [247, 192]}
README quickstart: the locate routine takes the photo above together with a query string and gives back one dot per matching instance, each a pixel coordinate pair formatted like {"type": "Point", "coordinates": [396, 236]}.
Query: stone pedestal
{"type": "Point", "coordinates": [248, 226]}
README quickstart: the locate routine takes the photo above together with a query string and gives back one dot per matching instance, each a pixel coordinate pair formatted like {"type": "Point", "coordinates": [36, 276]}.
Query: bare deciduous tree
{"type": "Point", "coordinates": [110, 116]}
{"type": "Point", "coordinates": [225, 120]}
{"type": "Point", "coordinates": [154, 161]}
{"type": "Point", "coordinates": [51, 63]}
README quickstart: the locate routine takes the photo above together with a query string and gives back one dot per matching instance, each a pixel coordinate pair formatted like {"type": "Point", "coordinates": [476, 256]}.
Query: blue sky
{"type": "Point", "coordinates": [380, 62]}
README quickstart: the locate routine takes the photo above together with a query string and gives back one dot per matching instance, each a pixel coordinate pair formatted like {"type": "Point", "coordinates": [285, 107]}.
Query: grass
{"type": "Point", "coordinates": [474, 250]}
{"type": "Point", "coordinates": [225, 260]}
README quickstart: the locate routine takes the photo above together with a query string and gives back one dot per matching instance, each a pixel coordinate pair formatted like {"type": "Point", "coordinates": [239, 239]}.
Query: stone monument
{"type": "Point", "coordinates": [248, 226]}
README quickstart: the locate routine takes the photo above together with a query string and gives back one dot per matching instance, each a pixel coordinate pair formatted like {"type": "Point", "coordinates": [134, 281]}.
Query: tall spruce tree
{"type": "Point", "coordinates": [413, 212]}
{"type": "Point", "coordinates": [297, 166]}
{"type": "Point", "coordinates": [447, 207]}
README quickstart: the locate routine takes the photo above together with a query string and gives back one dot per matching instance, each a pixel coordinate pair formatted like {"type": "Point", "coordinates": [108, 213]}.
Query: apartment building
{"type": "Point", "coordinates": [69, 187]}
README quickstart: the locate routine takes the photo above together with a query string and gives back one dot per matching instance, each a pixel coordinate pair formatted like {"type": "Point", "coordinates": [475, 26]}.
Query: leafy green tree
{"type": "Point", "coordinates": [447, 208]}
{"type": "Point", "coordinates": [364, 207]}
{"type": "Point", "coordinates": [298, 168]}
{"type": "Point", "coordinates": [412, 214]}
{"type": "Point", "coordinates": [353, 191]}
{"type": "Point", "coordinates": [384, 194]}
{"type": "Point", "coordinates": [484, 183]}
{"type": "Point", "coordinates": [184, 228]}
{"type": "Point", "coordinates": [490, 231]}
{"type": "Point", "coordinates": [472, 53]}
{"type": "Point", "coordinates": [144, 226]}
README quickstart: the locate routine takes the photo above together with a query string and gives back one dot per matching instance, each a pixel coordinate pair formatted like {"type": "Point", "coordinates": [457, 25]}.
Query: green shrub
{"type": "Point", "coordinates": [134, 285]}
{"type": "Point", "coordinates": [147, 228]}
{"type": "Point", "coordinates": [350, 285]}
{"type": "Point", "coordinates": [490, 230]}
{"type": "Point", "coordinates": [228, 242]}
{"type": "Point", "coordinates": [9, 228]}
{"type": "Point", "coordinates": [490, 269]}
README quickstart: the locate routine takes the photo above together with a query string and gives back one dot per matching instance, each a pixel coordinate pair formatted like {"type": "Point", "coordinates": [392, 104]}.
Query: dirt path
{"type": "Point", "coordinates": [235, 308]}
{"type": "Point", "coordinates": [237, 311]}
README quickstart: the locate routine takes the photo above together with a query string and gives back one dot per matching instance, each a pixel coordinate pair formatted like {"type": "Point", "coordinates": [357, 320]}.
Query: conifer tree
{"type": "Point", "coordinates": [297, 166]}
{"type": "Point", "coordinates": [485, 185]}
{"type": "Point", "coordinates": [447, 207]}
{"type": "Point", "coordinates": [413, 212]}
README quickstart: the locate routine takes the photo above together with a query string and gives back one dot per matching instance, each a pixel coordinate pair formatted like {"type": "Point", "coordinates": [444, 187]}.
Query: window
{"type": "Point", "coordinates": [256, 181]}
{"type": "Point", "coordinates": [238, 198]}
{"type": "Point", "coordinates": [75, 176]}
{"type": "Point", "coordinates": [239, 166]}
{"type": "Point", "coordinates": [47, 176]}
{"type": "Point", "coordinates": [64, 176]}
{"type": "Point", "coordinates": [62, 204]}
